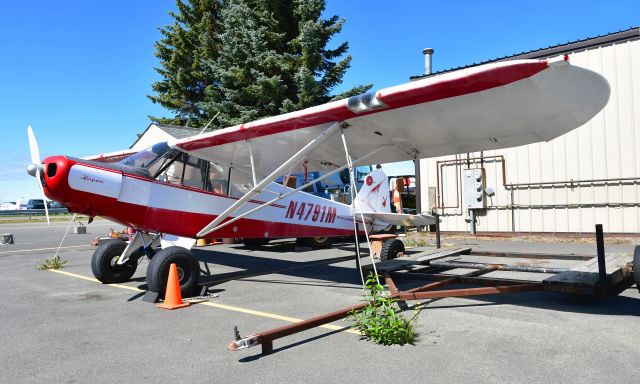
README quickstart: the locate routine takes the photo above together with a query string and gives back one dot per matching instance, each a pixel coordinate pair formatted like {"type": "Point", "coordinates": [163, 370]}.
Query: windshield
{"type": "Point", "coordinates": [152, 158]}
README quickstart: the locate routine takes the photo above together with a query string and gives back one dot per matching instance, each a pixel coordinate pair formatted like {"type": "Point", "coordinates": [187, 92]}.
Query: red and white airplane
{"type": "Point", "coordinates": [222, 184]}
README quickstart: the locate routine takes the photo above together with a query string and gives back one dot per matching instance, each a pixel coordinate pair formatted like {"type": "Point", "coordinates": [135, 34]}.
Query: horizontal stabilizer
{"type": "Point", "coordinates": [401, 219]}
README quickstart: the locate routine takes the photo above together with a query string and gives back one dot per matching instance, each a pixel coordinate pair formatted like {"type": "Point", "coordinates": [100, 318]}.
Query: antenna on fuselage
{"type": "Point", "coordinates": [209, 123]}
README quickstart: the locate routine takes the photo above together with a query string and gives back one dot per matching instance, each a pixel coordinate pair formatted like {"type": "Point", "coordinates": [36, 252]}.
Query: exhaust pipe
{"type": "Point", "coordinates": [428, 53]}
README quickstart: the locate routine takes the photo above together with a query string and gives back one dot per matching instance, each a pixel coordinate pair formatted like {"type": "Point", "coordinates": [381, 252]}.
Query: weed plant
{"type": "Point", "coordinates": [379, 321]}
{"type": "Point", "coordinates": [55, 263]}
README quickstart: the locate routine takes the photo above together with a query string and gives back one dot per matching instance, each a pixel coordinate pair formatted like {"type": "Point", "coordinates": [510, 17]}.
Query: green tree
{"type": "Point", "coordinates": [190, 41]}
{"type": "Point", "coordinates": [248, 59]}
{"type": "Point", "coordinates": [317, 71]}
{"type": "Point", "coordinates": [249, 69]}
{"type": "Point", "coordinates": [274, 59]}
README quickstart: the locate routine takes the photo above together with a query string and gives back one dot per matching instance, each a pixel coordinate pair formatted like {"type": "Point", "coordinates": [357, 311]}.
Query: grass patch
{"type": "Point", "coordinates": [55, 263]}
{"type": "Point", "coordinates": [379, 321]}
{"type": "Point", "coordinates": [422, 239]}
{"type": "Point", "coordinates": [427, 239]}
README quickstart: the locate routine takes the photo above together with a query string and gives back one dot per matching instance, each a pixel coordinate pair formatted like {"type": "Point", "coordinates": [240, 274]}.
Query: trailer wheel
{"type": "Point", "coordinates": [104, 266]}
{"type": "Point", "coordinates": [636, 266]}
{"type": "Point", "coordinates": [187, 265]}
{"type": "Point", "coordinates": [390, 249]}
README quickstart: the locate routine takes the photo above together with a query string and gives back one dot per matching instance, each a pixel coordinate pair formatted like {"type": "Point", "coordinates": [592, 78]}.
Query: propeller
{"type": "Point", "coordinates": [35, 167]}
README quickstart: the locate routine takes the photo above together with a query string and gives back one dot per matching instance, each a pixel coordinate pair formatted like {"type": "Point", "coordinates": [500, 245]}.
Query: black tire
{"type": "Point", "coordinates": [317, 242]}
{"type": "Point", "coordinates": [636, 266]}
{"type": "Point", "coordinates": [188, 270]}
{"type": "Point", "coordinates": [391, 248]}
{"type": "Point", "coordinates": [103, 263]}
{"type": "Point", "coordinates": [257, 242]}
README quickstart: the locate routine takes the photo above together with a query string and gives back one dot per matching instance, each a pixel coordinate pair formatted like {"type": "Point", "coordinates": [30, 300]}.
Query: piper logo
{"type": "Point", "coordinates": [97, 181]}
{"type": "Point", "coordinates": [91, 179]}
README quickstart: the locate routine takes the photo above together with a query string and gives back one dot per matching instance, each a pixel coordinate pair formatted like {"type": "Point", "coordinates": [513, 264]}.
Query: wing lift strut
{"type": "Point", "coordinates": [218, 223]}
{"type": "Point", "coordinates": [352, 189]}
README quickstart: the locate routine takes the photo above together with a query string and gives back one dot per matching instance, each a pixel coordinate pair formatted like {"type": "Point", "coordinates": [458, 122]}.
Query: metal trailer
{"type": "Point", "coordinates": [487, 273]}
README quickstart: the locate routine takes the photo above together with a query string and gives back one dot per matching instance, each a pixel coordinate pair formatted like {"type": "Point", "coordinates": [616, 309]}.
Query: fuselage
{"type": "Point", "coordinates": [132, 197]}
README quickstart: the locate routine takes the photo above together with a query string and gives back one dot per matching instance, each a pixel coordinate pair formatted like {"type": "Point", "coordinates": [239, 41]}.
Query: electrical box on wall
{"type": "Point", "coordinates": [473, 185]}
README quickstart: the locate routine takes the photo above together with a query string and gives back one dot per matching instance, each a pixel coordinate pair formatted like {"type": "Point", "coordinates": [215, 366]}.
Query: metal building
{"type": "Point", "coordinates": [590, 175]}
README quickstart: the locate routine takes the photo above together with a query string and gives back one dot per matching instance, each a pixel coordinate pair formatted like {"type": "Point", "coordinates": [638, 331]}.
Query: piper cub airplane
{"type": "Point", "coordinates": [222, 184]}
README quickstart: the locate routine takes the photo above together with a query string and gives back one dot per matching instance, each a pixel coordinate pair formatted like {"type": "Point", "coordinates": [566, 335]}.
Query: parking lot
{"type": "Point", "coordinates": [66, 327]}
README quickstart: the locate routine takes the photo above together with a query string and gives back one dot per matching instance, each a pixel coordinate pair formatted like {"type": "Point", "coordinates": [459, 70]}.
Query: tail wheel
{"type": "Point", "coordinates": [187, 266]}
{"type": "Point", "coordinates": [391, 248]}
{"type": "Point", "coordinates": [104, 263]}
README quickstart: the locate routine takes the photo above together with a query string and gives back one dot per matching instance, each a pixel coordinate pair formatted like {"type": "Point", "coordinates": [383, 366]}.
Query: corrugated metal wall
{"type": "Point", "coordinates": [590, 175]}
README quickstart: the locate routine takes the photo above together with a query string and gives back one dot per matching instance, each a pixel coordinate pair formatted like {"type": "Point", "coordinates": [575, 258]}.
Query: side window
{"type": "Point", "coordinates": [161, 163]}
{"type": "Point", "coordinates": [173, 173]}
{"type": "Point", "coordinates": [217, 179]}
{"type": "Point", "coordinates": [193, 175]}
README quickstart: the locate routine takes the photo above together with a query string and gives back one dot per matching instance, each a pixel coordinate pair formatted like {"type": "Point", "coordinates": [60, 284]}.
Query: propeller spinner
{"type": "Point", "coordinates": [35, 168]}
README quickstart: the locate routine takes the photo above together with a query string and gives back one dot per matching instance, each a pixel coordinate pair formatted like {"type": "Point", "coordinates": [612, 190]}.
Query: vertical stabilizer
{"type": "Point", "coordinates": [374, 194]}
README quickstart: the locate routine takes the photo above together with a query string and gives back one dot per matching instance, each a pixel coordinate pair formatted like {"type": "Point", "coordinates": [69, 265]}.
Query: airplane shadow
{"type": "Point", "coordinates": [251, 264]}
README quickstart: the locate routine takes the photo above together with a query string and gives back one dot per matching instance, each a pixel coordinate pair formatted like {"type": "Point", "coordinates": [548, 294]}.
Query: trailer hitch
{"type": "Point", "coordinates": [242, 342]}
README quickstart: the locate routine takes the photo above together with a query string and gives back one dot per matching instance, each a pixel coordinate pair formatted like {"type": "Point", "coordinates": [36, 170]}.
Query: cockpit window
{"type": "Point", "coordinates": [153, 159]}
{"type": "Point", "coordinates": [217, 179]}
{"type": "Point", "coordinates": [175, 167]}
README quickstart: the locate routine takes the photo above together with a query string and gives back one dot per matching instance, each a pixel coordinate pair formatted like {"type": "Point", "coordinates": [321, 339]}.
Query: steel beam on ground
{"type": "Point", "coordinates": [470, 292]}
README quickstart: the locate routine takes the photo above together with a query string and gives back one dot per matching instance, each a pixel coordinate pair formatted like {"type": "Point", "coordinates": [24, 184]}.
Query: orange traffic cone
{"type": "Point", "coordinates": [173, 296]}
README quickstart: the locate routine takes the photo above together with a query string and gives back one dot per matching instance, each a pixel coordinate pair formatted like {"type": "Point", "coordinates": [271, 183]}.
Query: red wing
{"type": "Point", "coordinates": [481, 108]}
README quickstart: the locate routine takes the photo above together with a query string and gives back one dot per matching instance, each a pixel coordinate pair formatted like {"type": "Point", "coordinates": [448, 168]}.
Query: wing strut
{"type": "Point", "coordinates": [353, 208]}
{"type": "Point", "coordinates": [313, 144]}
{"type": "Point", "coordinates": [282, 196]}
{"type": "Point", "coordinates": [253, 166]}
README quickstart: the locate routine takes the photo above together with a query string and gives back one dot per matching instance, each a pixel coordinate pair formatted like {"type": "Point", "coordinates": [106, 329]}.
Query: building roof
{"type": "Point", "coordinates": [179, 132]}
{"type": "Point", "coordinates": [174, 130]}
{"type": "Point", "coordinates": [610, 38]}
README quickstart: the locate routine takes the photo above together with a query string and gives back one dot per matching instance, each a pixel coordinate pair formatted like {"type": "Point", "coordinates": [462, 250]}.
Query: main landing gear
{"type": "Point", "coordinates": [108, 268]}
{"type": "Point", "coordinates": [187, 265]}
{"type": "Point", "coordinates": [104, 263]}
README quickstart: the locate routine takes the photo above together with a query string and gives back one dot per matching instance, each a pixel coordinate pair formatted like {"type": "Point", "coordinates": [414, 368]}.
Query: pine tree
{"type": "Point", "coordinates": [274, 59]}
{"type": "Point", "coordinates": [249, 68]}
{"type": "Point", "coordinates": [247, 59]}
{"type": "Point", "coordinates": [190, 41]}
{"type": "Point", "coordinates": [317, 73]}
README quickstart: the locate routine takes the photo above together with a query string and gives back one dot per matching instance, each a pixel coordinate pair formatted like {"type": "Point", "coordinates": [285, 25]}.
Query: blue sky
{"type": "Point", "coordinates": [79, 71]}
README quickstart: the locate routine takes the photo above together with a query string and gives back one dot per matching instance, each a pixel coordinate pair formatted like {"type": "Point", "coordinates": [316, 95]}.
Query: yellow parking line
{"type": "Point", "coordinates": [210, 304]}
{"type": "Point", "coordinates": [91, 279]}
{"type": "Point", "coordinates": [46, 249]}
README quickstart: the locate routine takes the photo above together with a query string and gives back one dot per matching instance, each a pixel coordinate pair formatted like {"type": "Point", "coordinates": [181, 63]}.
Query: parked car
{"type": "Point", "coordinates": [35, 204]}
{"type": "Point", "coordinates": [55, 204]}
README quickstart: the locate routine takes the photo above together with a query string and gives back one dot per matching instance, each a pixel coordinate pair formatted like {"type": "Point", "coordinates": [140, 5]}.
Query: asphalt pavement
{"type": "Point", "coordinates": [66, 327]}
